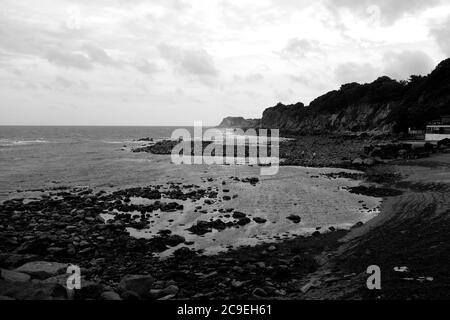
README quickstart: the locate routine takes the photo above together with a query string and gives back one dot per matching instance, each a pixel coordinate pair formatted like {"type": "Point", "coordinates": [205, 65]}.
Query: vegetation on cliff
{"type": "Point", "coordinates": [382, 107]}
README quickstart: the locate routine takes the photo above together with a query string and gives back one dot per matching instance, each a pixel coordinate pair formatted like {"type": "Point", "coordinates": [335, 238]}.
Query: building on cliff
{"type": "Point", "coordinates": [438, 130]}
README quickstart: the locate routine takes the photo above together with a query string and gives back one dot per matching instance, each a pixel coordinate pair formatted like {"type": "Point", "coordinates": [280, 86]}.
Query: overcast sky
{"type": "Point", "coordinates": [171, 62]}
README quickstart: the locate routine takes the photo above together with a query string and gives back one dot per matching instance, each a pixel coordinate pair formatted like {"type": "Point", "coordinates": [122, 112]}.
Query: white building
{"type": "Point", "coordinates": [438, 130]}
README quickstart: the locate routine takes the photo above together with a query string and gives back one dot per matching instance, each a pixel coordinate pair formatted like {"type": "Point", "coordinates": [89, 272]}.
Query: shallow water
{"type": "Point", "coordinates": [49, 157]}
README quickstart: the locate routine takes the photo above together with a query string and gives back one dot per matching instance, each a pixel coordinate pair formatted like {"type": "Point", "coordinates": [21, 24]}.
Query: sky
{"type": "Point", "coordinates": [173, 62]}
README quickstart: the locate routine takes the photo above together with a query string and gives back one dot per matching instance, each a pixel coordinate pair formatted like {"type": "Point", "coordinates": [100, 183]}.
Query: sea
{"type": "Point", "coordinates": [36, 158]}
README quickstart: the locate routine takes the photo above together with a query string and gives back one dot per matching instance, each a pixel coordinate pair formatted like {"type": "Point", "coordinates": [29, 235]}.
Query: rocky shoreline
{"type": "Point", "coordinates": [40, 238]}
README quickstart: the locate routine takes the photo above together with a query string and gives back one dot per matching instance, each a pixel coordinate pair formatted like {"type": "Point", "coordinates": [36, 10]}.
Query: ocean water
{"type": "Point", "coordinates": [99, 157]}
{"type": "Point", "coordinates": [38, 157]}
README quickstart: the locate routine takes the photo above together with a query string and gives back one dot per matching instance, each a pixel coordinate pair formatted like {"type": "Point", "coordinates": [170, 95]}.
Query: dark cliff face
{"type": "Point", "coordinates": [239, 122]}
{"type": "Point", "coordinates": [353, 107]}
{"type": "Point", "coordinates": [383, 106]}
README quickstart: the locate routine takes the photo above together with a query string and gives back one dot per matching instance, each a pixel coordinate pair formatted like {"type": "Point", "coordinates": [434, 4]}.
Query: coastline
{"type": "Point", "coordinates": [305, 267]}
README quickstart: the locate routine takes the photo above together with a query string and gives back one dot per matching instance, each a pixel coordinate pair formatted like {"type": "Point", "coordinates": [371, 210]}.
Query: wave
{"type": "Point", "coordinates": [12, 142]}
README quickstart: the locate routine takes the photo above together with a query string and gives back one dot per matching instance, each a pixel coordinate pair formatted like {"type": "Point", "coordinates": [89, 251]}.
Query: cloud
{"type": "Point", "coordinates": [62, 83]}
{"type": "Point", "coordinates": [403, 64]}
{"type": "Point", "coordinates": [442, 35]}
{"type": "Point", "coordinates": [285, 95]}
{"type": "Point", "coordinates": [69, 59]}
{"type": "Point", "coordinates": [99, 55]}
{"type": "Point", "coordinates": [83, 58]}
{"type": "Point", "coordinates": [146, 67]}
{"type": "Point", "coordinates": [249, 78]}
{"type": "Point", "coordinates": [191, 62]}
{"type": "Point", "coordinates": [388, 11]}
{"type": "Point", "coordinates": [299, 48]}
{"type": "Point", "coordinates": [352, 72]}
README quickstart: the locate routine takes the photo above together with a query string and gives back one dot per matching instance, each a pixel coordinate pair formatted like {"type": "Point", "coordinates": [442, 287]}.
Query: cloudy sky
{"type": "Point", "coordinates": [171, 62]}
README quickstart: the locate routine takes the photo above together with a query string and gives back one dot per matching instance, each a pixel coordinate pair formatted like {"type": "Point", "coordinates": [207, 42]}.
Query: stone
{"type": "Point", "coordinates": [42, 269]}
{"type": "Point", "coordinates": [259, 220]}
{"type": "Point", "coordinates": [239, 215]}
{"type": "Point", "coordinates": [33, 290]}
{"type": "Point", "coordinates": [13, 260]}
{"type": "Point", "coordinates": [129, 295]}
{"type": "Point", "coordinates": [10, 275]}
{"type": "Point", "coordinates": [110, 295]}
{"type": "Point", "coordinates": [369, 162]}
{"type": "Point", "coordinates": [258, 292]}
{"type": "Point", "coordinates": [89, 290]}
{"type": "Point", "coordinates": [169, 296]}
{"type": "Point", "coordinates": [141, 284]}
{"type": "Point", "coordinates": [155, 293]}
{"type": "Point", "coordinates": [170, 290]}
{"type": "Point", "coordinates": [294, 218]}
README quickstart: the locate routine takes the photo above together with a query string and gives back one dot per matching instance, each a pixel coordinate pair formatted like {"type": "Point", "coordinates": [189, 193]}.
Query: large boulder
{"type": "Point", "coordinates": [10, 275]}
{"type": "Point", "coordinates": [43, 269]}
{"type": "Point", "coordinates": [32, 290]}
{"type": "Point", "coordinates": [141, 284]}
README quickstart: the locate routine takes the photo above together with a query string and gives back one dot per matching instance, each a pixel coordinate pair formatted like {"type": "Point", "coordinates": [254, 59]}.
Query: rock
{"type": "Point", "coordinates": [10, 275]}
{"type": "Point", "coordinates": [358, 161]}
{"type": "Point", "coordinates": [60, 279]}
{"type": "Point", "coordinates": [5, 298]}
{"type": "Point", "coordinates": [312, 284]}
{"type": "Point", "coordinates": [129, 295]}
{"type": "Point", "coordinates": [357, 225]}
{"type": "Point", "coordinates": [236, 284]}
{"type": "Point", "coordinates": [259, 220]}
{"type": "Point", "coordinates": [141, 284]}
{"type": "Point", "coordinates": [89, 290]}
{"type": "Point", "coordinates": [258, 292]}
{"type": "Point", "coordinates": [170, 290]}
{"type": "Point", "coordinates": [155, 293]}
{"type": "Point", "coordinates": [169, 296]}
{"type": "Point", "coordinates": [294, 218]}
{"type": "Point", "coordinates": [43, 269]}
{"type": "Point", "coordinates": [239, 215]}
{"type": "Point", "coordinates": [244, 221]}
{"type": "Point", "coordinates": [272, 248]}
{"type": "Point", "coordinates": [12, 260]}
{"type": "Point", "coordinates": [369, 162]}
{"type": "Point", "coordinates": [110, 295]}
{"type": "Point", "coordinates": [36, 290]}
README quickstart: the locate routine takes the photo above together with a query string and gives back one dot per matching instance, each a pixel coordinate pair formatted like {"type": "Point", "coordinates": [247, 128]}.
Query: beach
{"type": "Point", "coordinates": [206, 232]}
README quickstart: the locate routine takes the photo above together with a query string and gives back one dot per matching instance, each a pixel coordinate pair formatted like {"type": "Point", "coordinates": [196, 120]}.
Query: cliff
{"type": "Point", "coordinates": [382, 107]}
{"type": "Point", "coordinates": [239, 122]}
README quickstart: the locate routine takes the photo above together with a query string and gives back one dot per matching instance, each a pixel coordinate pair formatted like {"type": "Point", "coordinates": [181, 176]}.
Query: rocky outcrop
{"type": "Point", "coordinates": [384, 106]}
{"type": "Point", "coordinates": [239, 122]}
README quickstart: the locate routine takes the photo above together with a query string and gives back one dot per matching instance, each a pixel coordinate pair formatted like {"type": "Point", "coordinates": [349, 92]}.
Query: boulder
{"type": "Point", "coordinates": [32, 290]}
{"type": "Point", "coordinates": [259, 220]}
{"type": "Point", "coordinates": [43, 269]}
{"type": "Point", "coordinates": [14, 276]}
{"type": "Point", "coordinates": [171, 290]}
{"type": "Point", "coordinates": [294, 218]}
{"type": "Point", "coordinates": [110, 295]}
{"type": "Point", "coordinates": [141, 284]}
